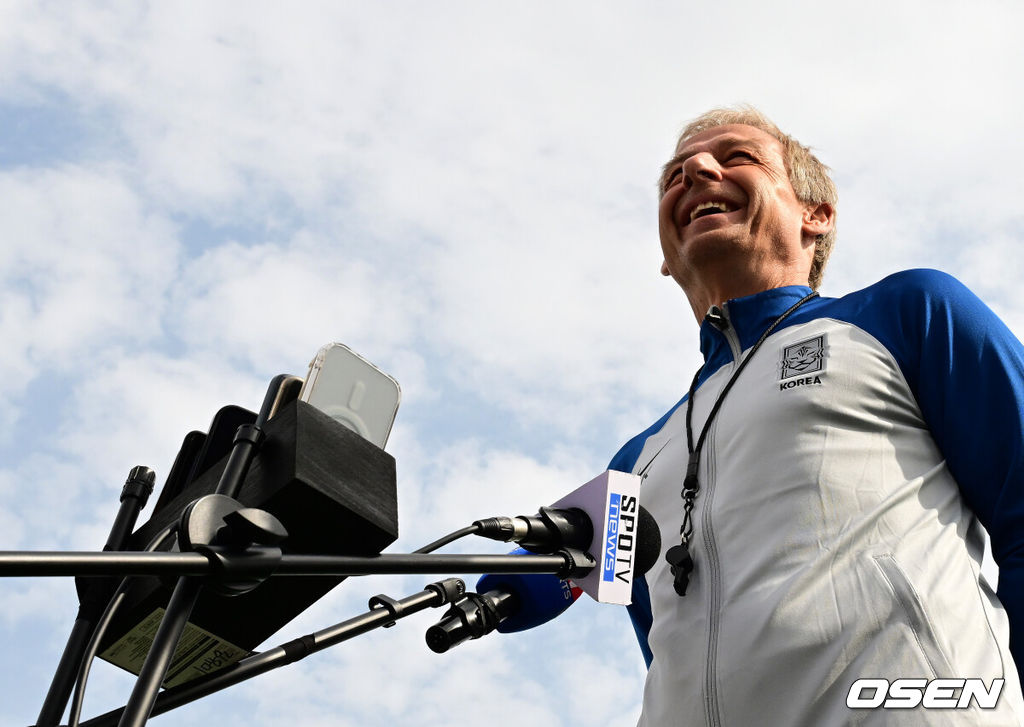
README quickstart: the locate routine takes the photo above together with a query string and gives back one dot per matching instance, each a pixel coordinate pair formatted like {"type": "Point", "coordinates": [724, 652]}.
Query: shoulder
{"type": "Point", "coordinates": [929, 321]}
{"type": "Point", "coordinates": [908, 303]}
{"type": "Point", "coordinates": [910, 289]}
{"type": "Point", "coordinates": [625, 459]}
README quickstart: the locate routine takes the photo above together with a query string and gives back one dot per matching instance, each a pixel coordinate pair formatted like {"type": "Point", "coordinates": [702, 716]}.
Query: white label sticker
{"type": "Point", "coordinates": [199, 652]}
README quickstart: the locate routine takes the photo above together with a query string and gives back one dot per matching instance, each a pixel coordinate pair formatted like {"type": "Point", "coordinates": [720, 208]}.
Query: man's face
{"type": "Point", "coordinates": [728, 206]}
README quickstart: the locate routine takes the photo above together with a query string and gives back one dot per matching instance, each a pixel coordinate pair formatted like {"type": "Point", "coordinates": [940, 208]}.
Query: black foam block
{"type": "Point", "coordinates": [335, 494]}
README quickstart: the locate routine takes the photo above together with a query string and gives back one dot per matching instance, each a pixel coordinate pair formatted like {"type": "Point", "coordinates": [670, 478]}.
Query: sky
{"type": "Point", "coordinates": [194, 197]}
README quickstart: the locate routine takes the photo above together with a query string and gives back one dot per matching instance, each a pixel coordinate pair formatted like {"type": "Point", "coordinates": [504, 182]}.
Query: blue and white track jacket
{"type": "Point", "coordinates": [836, 532]}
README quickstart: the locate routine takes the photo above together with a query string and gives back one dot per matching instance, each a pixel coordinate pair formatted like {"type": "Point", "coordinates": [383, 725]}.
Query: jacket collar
{"type": "Point", "coordinates": [741, 321]}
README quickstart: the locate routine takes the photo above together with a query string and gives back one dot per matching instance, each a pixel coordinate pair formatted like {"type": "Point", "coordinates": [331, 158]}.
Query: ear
{"type": "Point", "coordinates": [818, 220]}
{"type": "Point", "coordinates": [664, 269]}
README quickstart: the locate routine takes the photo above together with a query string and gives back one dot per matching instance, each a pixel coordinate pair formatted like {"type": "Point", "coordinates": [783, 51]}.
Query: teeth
{"type": "Point", "coordinates": [716, 205]}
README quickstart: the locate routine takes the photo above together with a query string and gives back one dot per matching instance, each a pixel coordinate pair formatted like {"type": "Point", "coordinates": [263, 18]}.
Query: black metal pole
{"type": "Point", "coordinates": [247, 442]}
{"type": "Point", "coordinates": [134, 495]}
{"type": "Point", "coordinates": [292, 651]}
{"type": "Point", "coordinates": [154, 669]}
{"type": "Point", "coordinates": [136, 491]}
{"type": "Point", "coordinates": [56, 563]}
{"type": "Point", "coordinates": [64, 678]}
{"type": "Point", "coordinates": [40, 563]}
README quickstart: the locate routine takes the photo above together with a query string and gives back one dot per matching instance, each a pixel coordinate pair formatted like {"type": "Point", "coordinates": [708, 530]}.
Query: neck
{"type": "Point", "coordinates": [707, 292]}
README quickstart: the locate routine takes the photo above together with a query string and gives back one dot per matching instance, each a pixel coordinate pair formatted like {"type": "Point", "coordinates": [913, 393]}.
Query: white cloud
{"type": "Point", "coordinates": [267, 302]}
{"type": "Point", "coordinates": [83, 263]}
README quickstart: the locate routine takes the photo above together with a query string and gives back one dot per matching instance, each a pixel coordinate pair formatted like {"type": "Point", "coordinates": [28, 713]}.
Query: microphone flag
{"type": "Point", "coordinates": [612, 500]}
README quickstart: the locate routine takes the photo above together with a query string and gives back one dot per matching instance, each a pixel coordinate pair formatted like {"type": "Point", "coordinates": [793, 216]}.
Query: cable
{"type": "Point", "coordinates": [450, 537]}
{"type": "Point", "coordinates": [101, 628]}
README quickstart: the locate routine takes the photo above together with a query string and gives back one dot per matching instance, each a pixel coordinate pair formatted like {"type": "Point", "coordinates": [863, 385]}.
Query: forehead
{"type": "Point", "coordinates": [717, 136]}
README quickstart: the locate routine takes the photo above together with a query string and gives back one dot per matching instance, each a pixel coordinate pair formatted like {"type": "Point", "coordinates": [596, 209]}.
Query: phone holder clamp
{"type": "Point", "coordinates": [241, 542]}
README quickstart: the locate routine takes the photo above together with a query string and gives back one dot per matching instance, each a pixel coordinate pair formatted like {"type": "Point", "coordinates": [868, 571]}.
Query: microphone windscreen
{"type": "Point", "coordinates": [648, 542]}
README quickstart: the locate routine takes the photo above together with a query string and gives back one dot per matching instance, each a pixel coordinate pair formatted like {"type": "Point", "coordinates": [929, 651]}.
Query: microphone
{"type": "Point", "coordinates": [516, 602]}
{"type": "Point", "coordinates": [599, 517]}
{"type": "Point", "coordinates": [473, 616]}
{"type": "Point", "coordinates": [550, 530]}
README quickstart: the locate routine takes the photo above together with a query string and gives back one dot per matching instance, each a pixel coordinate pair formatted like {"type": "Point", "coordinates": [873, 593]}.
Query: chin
{"type": "Point", "coordinates": [711, 249]}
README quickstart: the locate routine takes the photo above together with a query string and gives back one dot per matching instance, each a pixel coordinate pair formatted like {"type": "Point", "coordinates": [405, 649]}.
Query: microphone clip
{"type": "Point", "coordinates": [578, 563]}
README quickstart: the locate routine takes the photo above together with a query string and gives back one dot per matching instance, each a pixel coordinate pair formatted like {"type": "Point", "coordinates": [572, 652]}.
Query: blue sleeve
{"type": "Point", "coordinates": [640, 614]}
{"type": "Point", "coordinates": [540, 596]}
{"type": "Point", "coordinates": [640, 608]}
{"type": "Point", "coordinates": [966, 370]}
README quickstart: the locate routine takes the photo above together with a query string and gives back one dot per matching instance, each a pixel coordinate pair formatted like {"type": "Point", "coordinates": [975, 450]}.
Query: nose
{"type": "Point", "coordinates": [703, 166]}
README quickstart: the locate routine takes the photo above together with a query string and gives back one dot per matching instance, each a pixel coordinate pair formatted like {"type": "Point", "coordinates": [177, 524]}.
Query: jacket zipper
{"type": "Point", "coordinates": [712, 712]}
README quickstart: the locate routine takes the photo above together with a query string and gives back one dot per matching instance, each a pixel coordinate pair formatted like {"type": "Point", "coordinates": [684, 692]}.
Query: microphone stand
{"type": "Point", "coordinates": [260, 562]}
{"type": "Point", "coordinates": [230, 569]}
{"type": "Point", "coordinates": [232, 549]}
{"type": "Point", "coordinates": [384, 612]}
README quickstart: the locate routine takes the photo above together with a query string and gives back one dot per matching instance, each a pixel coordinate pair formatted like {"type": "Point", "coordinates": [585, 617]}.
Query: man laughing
{"type": "Point", "coordinates": [821, 489]}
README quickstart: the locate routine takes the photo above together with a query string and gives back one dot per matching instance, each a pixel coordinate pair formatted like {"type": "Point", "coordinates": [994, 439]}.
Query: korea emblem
{"type": "Point", "coordinates": [803, 358]}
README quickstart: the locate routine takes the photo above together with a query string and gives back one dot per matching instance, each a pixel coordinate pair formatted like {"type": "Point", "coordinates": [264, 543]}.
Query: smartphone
{"type": "Point", "coordinates": [351, 390]}
{"type": "Point", "coordinates": [287, 392]}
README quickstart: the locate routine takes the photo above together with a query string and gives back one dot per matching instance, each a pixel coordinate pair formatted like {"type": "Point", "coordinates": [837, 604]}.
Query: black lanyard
{"type": "Point", "coordinates": [678, 556]}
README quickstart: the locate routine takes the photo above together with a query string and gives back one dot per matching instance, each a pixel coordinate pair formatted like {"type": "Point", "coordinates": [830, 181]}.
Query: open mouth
{"type": "Point", "coordinates": [714, 207]}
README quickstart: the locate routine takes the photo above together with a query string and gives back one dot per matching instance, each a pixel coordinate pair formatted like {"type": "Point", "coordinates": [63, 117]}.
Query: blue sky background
{"type": "Point", "coordinates": [195, 197]}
